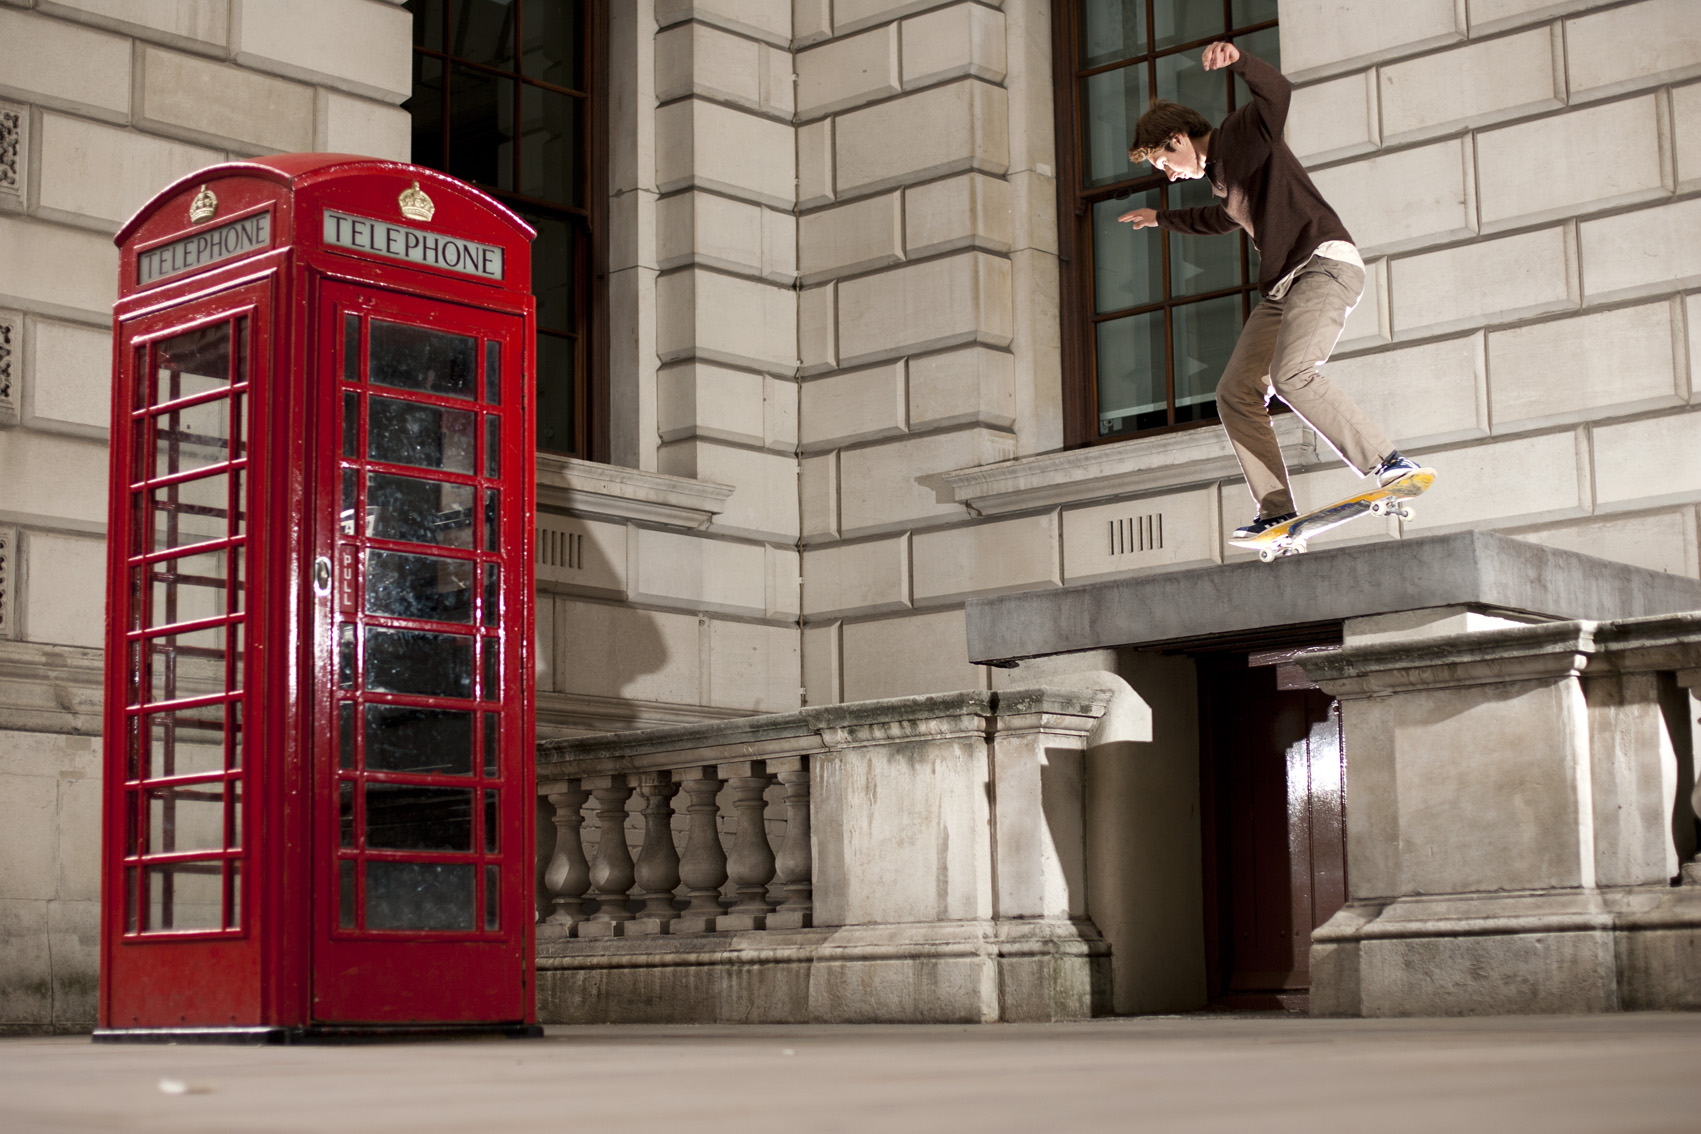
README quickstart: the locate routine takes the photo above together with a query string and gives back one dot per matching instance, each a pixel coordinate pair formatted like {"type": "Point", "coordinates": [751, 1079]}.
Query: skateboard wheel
{"type": "Point", "coordinates": [1379, 508]}
{"type": "Point", "coordinates": [1298, 548]}
{"type": "Point", "coordinates": [1267, 554]}
{"type": "Point", "coordinates": [1405, 514]}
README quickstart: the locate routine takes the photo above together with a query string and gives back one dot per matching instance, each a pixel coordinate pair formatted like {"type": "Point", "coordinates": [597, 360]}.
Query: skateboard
{"type": "Point", "coordinates": [1290, 538]}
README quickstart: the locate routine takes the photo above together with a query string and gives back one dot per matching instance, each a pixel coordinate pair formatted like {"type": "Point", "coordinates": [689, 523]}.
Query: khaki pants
{"type": "Point", "coordinates": [1280, 353]}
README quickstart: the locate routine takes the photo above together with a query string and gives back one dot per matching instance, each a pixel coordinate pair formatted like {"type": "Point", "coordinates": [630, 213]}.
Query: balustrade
{"type": "Point", "coordinates": [706, 886]}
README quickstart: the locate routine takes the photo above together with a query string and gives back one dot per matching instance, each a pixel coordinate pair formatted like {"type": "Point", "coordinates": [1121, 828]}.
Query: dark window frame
{"type": "Point", "coordinates": [1075, 201]}
{"type": "Point", "coordinates": [587, 221]}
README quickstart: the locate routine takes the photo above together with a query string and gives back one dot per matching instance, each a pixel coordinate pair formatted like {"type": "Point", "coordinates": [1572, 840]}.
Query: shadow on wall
{"type": "Point", "coordinates": [1141, 883]}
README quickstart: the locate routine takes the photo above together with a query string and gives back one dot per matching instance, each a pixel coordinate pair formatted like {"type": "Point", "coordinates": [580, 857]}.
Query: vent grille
{"type": "Point", "coordinates": [565, 550]}
{"type": "Point", "coordinates": [1136, 534]}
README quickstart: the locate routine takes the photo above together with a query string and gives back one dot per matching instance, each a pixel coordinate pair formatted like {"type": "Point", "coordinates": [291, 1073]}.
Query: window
{"type": "Point", "coordinates": [502, 98]}
{"type": "Point", "coordinates": [1149, 317]}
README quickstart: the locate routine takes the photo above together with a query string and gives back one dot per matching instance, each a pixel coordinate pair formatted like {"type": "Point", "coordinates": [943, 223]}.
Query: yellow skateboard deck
{"type": "Point", "coordinates": [1290, 538]}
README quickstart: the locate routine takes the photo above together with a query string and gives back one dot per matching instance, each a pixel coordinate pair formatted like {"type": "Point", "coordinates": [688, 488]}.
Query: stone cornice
{"type": "Point", "coordinates": [1522, 653]}
{"type": "Point", "coordinates": [586, 488]}
{"type": "Point", "coordinates": [1126, 468]}
{"type": "Point", "coordinates": [45, 688]}
{"type": "Point", "coordinates": [818, 729]}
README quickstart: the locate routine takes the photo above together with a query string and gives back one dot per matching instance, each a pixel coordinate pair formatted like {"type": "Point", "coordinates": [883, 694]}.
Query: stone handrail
{"type": "Point", "coordinates": [811, 817]}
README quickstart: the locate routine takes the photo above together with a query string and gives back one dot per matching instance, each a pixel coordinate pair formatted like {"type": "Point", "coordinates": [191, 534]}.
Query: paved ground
{"type": "Point", "coordinates": [1554, 1075]}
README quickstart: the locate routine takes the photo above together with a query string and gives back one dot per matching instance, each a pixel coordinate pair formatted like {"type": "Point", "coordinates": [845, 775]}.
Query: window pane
{"type": "Point", "coordinates": [1183, 79]}
{"type": "Point", "coordinates": [427, 23]}
{"type": "Point", "coordinates": [418, 358]}
{"type": "Point", "coordinates": [185, 743]}
{"type": "Point", "coordinates": [1114, 101]}
{"type": "Point", "coordinates": [345, 894]}
{"type": "Point", "coordinates": [549, 146]}
{"type": "Point", "coordinates": [493, 373]}
{"type": "Point", "coordinates": [483, 31]}
{"type": "Point", "coordinates": [192, 438]}
{"type": "Point", "coordinates": [556, 411]}
{"type": "Point", "coordinates": [1205, 334]}
{"type": "Point", "coordinates": [189, 588]}
{"type": "Point", "coordinates": [1112, 30]}
{"type": "Point", "coordinates": [405, 817]}
{"type": "Point", "coordinates": [426, 109]}
{"type": "Point", "coordinates": [406, 433]}
{"type": "Point", "coordinates": [551, 48]}
{"type": "Point", "coordinates": [419, 511]}
{"type": "Point", "coordinates": [414, 661]}
{"type": "Point", "coordinates": [185, 895]}
{"type": "Point", "coordinates": [192, 363]}
{"type": "Point", "coordinates": [552, 271]}
{"type": "Point", "coordinates": [1182, 21]}
{"type": "Point", "coordinates": [1198, 264]}
{"type": "Point", "coordinates": [187, 818]}
{"type": "Point", "coordinates": [1127, 265]}
{"type": "Point", "coordinates": [481, 128]}
{"type": "Point", "coordinates": [419, 895]}
{"type": "Point", "coordinates": [427, 741]}
{"type": "Point", "coordinates": [1267, 45]}
{"type": "Point", "coordinates": [419, 586]}
{"type": "Point", "coordinates": [1131, 373]}
{"type": "Point", "coordinates": [191, 511]}
{"type": "Point", "coordinates": [187, 665]}
{"type": "Point", "coordinates": [1254, 12]}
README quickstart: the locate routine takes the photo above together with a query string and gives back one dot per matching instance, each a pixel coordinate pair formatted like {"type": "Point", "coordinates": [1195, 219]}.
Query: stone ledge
{"type": "Point", "coordinates": [924, 972]}
{"type": "Point", "coordinates": [1123, 468]}
{"type": "Point", "coordinates": [55, 689]}
{"type": "Point", "coordinates": [770, 736]}
{"type": "Point", "coordinates": [1633, 645]}
{"type": "Point", "coordinates": [1479, 570]}
{"type": "Point", "coordinates": [587, 488]}
{"type": "Point", "coordinates": [1619, 949]}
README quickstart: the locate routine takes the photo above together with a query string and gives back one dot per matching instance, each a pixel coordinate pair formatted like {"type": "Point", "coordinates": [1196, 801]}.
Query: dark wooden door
{"type": "Point", "coordinates": [1274, 824]}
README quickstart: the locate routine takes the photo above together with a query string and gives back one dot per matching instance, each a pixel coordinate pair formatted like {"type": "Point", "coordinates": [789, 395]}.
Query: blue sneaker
{"type": "Point", "coordinates": [1395, 466]}
{"type": "Point", "coordinates": [1262, 524]}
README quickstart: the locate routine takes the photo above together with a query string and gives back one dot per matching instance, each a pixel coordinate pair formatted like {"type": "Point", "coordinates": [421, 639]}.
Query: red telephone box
{"type": "Point", "coordinates": [319, 800]}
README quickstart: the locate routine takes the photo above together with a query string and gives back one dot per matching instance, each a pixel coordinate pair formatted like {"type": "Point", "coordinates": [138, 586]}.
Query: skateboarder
{"type": "Point", "coordinates": [1311, 277]}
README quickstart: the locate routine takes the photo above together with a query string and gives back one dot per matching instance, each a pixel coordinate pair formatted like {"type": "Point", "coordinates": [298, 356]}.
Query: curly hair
{"type": "Point", "coordinates": [1162, 121]}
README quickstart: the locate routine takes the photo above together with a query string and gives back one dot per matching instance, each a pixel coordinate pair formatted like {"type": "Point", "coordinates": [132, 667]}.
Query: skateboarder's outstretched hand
{"type": "Point", "coordinates": [1219, 55]}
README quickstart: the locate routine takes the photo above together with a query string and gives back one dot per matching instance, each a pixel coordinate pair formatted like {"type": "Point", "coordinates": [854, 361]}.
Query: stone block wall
{"type": "Point", "coordinates": [681, 600]}
{"type": "Point", "coordinates": [1513, 172]}
{"type": "Point", "coordinates": [927, 321]}
{"type": "Point", "coordinates": [101, 105]}
{"type": "Point", "coordinates": [1521, 177]}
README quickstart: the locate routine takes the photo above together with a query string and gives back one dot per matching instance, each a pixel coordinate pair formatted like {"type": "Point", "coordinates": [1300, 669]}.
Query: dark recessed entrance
{"type": "Point", "coordinates": [1274, 824]}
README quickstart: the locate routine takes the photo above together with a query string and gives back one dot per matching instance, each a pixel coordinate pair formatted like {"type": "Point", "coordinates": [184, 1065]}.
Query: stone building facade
{"type": "Point", "coordinates": [833, 276]}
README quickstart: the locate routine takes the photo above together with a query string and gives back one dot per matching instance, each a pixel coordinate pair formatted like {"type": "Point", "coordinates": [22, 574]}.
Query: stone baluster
{"type": "Point", "coordinates": [794, 861]}
{"type": "Point", "coordinates": [658, 863]}
{"type": "Point", "coordinates": [751, 863]}
{"type": "Point", "coordinates": [611, 871]}
{"type": "Point", "coordinates": [703, 869]}
{"type": "Point", "coordinates": [569, 874]}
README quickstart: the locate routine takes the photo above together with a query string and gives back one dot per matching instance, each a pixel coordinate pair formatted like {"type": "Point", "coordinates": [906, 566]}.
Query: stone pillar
{"type": "Point", "coordinates": [1511, 793]}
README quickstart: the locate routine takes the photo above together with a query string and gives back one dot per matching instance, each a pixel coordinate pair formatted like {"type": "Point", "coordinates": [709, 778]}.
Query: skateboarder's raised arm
{"type": "Point", "coordinates": [1271, 95]}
